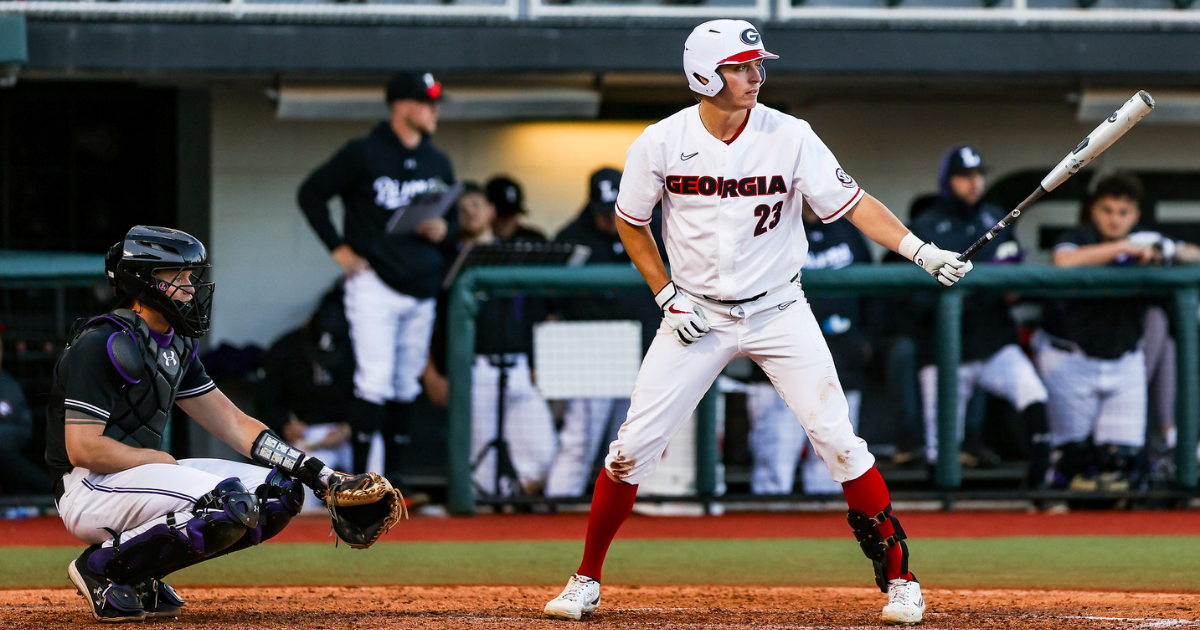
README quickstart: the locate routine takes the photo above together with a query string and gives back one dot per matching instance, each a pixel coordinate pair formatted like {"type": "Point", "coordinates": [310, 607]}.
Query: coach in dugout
{"type": "Point", "coordinates": [391, 279]}
{"type": "Point", "coordinates": [1089, 350]}
{"type": "Point", "coordinates": [991, 358]}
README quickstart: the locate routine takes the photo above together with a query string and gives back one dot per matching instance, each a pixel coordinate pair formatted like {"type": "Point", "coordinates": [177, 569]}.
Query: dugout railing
{"type": "Point", "coordinates": [1182, 284]}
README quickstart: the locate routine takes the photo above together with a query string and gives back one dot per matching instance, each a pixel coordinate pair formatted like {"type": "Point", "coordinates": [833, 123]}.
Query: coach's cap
{"type": "Point", "coordinates": [602, 195]}
{"type": "Point", "coordinates": [413, 85]}
{"type": "Point", "coordinates": [719, 43]}
{"type": "Point", "coordinates": [963, 158]}
{"type": "Point", "coordinates": [505, 194]}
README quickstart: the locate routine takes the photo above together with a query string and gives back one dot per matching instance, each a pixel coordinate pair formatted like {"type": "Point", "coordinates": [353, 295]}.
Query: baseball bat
{"type": "Point", "coordinates": [1094, 144]}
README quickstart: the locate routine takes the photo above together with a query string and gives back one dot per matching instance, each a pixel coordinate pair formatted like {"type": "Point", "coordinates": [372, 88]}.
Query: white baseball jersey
{"type": "Point", "coordinates": [731, 211]}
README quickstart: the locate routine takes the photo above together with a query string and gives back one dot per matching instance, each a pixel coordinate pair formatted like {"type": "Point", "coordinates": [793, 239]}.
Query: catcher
{"type": "Point", "coordinates": [144, 514]}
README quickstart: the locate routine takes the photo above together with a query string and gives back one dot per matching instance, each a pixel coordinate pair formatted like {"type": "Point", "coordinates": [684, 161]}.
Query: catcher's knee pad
{"type": "Point", "coordinates": [874, 545]}
{"type": "Point", "coordinates": [279, 499]}
{"type": "Point", "coordinates": [220, 519]}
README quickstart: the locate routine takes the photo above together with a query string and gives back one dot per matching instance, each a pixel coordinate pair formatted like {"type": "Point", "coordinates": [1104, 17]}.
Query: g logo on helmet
{"type": "Point", "coordinates": [751, 37]}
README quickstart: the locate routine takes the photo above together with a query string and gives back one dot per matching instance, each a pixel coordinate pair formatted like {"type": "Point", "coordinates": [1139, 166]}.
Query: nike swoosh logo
{"type": "Point", "coordinates": [684, 156]}
{"type": "Point", "coordinates": [786, 304]}
{"type": "Point", "coordinates": [672, 309]}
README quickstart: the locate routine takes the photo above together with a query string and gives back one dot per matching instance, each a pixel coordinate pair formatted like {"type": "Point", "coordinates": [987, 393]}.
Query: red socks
{"type": "Point", "coordinates": [612, 503]}
{"type": "Point", "coordinates": [869, 494]}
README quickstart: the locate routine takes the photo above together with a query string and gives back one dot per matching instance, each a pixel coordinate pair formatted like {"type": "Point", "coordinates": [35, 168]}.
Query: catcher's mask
{"type": "Point", "coordinates": [134, 268]}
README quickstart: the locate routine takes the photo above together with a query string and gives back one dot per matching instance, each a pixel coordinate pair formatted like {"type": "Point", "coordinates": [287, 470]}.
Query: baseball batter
{"type": "Point", "coordinates": [144, 514]}
{"type": "Point", "coordinates": [732, 176]}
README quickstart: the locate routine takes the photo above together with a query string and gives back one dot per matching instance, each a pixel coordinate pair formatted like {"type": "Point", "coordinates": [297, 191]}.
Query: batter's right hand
{"type": "Point", "coordinates": [684, 317]}
{"type": "Point", "coordinates": [350, 262]}
{"type": "Point", "coordinates": [941, 264]}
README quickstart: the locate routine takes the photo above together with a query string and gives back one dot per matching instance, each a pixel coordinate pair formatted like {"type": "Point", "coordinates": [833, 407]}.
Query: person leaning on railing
{"type": "Point", "coordinates": [1089, 351]}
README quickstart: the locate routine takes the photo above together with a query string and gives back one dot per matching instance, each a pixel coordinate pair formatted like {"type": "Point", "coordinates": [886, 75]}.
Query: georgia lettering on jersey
{"type": "Point", "coordinates": [736, 206]}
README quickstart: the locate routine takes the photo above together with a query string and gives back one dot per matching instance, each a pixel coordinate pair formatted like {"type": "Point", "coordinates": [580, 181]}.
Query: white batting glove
{"type": "Point", "coordinates": [684, 317]}
{"type": "Point", "coordinates": [941, 264]}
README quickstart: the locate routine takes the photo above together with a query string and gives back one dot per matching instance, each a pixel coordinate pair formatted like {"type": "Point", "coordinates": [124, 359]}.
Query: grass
{"type": "Point", "coordinates": [1129, 562]}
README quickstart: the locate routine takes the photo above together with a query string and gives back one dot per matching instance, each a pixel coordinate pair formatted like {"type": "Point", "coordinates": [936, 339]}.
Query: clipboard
{"type": "Point", "coordinates": [430, 205]}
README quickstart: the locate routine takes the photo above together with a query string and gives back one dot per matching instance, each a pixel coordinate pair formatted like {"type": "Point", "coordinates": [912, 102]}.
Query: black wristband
{"type": "Point", "coordinates": [270, 450]}
{"type": "Point", "coordinates": [309, 473]}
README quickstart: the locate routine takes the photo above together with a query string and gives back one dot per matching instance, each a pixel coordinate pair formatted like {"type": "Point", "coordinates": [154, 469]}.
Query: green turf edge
{"type": "Point", "coordinates": [1127, 562]}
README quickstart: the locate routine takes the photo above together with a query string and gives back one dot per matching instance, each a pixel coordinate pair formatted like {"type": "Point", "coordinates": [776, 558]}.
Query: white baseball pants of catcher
{"type": "Point", "coordinates": [1008, 374]}
{"type": "Point", "coordinates": [1101, 398]}
{"type": "Point", "coordinates": [132, 501]}
{"type": "Point", "coordinates": [390, 332]}
{"type": "Point", "coordinates": [528, 424]}
{"type": "Point", "coordinates": [777, 442]}
{"type": "Point", "coordinates": [777, 331]}
{"type": "Point", "coordinates": [586, 423]}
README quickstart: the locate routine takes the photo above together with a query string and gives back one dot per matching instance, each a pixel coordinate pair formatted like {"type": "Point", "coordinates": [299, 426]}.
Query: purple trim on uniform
{"type": "Point", "coordinates": [166, 493]}
{"type": "Point", "coordinates": [113, 359]}
{"type": "Point", "coordinates": [195, 349]}
{"type": "Point", "coordinates": [114, 320]}
{"type": "Point", "coordinates": [162, 339]}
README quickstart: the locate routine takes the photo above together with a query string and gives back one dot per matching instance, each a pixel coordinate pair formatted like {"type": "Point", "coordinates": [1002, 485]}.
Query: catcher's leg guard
{"type": "Point", "coordinates": [219, 520]}
{"type": "Point", "coordinates": [874, 545]}
{"type": "Point", "coordinates": [279, 499]}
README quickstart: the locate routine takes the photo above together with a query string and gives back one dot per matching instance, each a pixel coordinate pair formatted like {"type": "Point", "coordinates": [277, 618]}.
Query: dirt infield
{"type": "Point", "coordinates": [49, 531]}
{"type": "Point", "coordinates": [706, 607]}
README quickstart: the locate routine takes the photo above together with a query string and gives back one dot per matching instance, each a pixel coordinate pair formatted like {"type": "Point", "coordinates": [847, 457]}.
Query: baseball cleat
{"type": "Point", "coordinates": [581, 597]}
{"type": "Point", "coordinates": [110, 602]}
{"type": "Point", "coordinates": [905, 604]}
{"type": "Point", "coordinates": [159, 599]}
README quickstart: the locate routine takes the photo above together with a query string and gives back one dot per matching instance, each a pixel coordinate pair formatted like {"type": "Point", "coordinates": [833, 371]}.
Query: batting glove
{"type": "Point", "coordinates": [684, 317]}
{"type": "Point", "coordinates": [941, 264]}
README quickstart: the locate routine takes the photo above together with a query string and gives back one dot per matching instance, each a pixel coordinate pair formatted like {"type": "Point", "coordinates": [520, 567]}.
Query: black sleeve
{"type": "Point", "coordinates": [91, 381]}
{"type": "Point", "coordinates": [195, 381]}
{"type": "Point", "coordinates": [334, 177]}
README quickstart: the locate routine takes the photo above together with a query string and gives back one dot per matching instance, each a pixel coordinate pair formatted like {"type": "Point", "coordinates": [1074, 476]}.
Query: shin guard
{"type": "Point", "coordinates": [220, 519]}
{"type": "Point", "coordinates": [875, 546]}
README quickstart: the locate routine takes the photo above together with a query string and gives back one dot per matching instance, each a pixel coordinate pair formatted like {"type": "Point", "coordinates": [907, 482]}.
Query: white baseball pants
{"type": "Point", "coordinates": [777, 442]}
{"type": "Point", "coordinates": [132, 501]}
{"type": "Point", "coordinates": [779, 333]}
{"type": "Point", "coordinates": [1101, 398]}
{"type": "Point", "coordinates": [1008, 374]}
{"type": "Point", "coordinates": [528, 424]}
{"type": "Point", "coordinates": [390, 332]}
{"type": "Point", "coordinates": [586, 423]}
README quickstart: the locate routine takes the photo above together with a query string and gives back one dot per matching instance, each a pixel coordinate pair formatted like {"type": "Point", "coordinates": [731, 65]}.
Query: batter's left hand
{"type": "Point", "coordinates": [432, 230]}
{"type": "Point", "coordinates": [684, 317]}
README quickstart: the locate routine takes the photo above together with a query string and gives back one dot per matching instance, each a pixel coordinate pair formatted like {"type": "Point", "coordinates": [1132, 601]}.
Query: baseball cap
{"type": "Point", "coordinates": [963, 158]}
{"type": "Point", "coordinates": [602, 193]}
{"type": "Point", "coordinates": [719, 43]}
{"type": "Point", "coordinates": [505, 194]}
{"type": "Point", "coordinates": [413, 85]}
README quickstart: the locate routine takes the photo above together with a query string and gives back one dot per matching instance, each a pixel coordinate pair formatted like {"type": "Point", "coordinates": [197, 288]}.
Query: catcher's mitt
{"type": "Point", "coordinates": [363, 507]}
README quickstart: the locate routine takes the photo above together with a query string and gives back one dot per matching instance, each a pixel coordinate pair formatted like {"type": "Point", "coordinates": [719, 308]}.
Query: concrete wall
{"type": "Point", "coordinates": [270, 267]}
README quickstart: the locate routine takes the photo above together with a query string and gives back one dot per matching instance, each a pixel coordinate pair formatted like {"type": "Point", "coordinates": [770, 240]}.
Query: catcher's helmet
{"type": "Point", "coordinates": [719, 43]}
{"type": "Point", "coordinates": [131, 265]}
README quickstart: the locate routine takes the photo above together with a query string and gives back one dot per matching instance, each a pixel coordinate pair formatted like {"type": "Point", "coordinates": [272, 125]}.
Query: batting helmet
{"type": "Point", "coordinates": [719, 43]}
{"type": "Point", "coordinates": [132, 266]}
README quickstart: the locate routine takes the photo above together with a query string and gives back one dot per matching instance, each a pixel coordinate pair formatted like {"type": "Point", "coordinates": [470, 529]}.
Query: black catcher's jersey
{"type": "Point", "coordinates": [87, 379]}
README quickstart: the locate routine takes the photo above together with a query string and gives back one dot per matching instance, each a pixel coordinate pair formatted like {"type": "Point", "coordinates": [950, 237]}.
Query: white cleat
{"type": "Point", "coordinates": [905, 604]}
{"type": "Point", "coordinates": [580, 598]}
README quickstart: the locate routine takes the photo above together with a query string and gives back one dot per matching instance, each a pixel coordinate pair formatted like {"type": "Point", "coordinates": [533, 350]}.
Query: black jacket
{"type": "Point", "coordinates": [376, 176]}
{"type": "Point", "coordinates": [987, 323]}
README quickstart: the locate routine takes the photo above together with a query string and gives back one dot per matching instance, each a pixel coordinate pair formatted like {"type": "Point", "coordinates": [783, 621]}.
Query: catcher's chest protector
{"type": "Point", "coordinates": [150, 376]}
